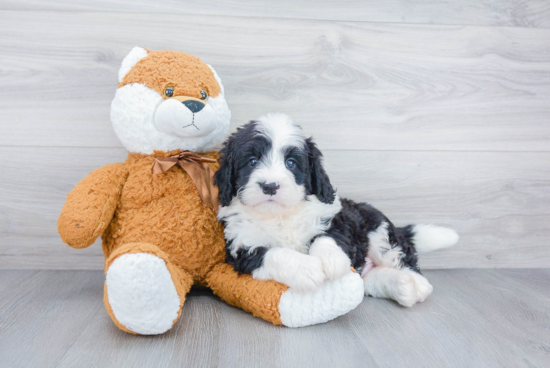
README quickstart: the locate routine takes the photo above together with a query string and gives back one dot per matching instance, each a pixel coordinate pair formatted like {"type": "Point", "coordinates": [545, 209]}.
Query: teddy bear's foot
{"type": "Point", "coordinates": [333, 299]}
{"type": "Point", "coordinates": [141, 292]}
{"type": "Point", "coordinates": [280, 305]}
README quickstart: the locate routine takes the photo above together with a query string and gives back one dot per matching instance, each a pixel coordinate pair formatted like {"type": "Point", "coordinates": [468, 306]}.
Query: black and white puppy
{"type": "Point", "coordinates": [284, 221]}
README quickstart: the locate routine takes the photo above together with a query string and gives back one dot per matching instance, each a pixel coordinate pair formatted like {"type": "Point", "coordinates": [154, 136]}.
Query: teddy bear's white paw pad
{"type": "Point", "coordinates": [333, 299]}
{"type": "Point", "coordinates": [142, 294]}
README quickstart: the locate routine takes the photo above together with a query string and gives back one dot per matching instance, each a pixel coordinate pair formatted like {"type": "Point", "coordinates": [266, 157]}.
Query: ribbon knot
{"type": "Point", "coordinates": [197, 167]}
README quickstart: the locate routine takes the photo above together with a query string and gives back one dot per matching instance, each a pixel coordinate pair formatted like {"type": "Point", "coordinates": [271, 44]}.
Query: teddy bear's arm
{"type": "Point", "coordinates": [90, 206]}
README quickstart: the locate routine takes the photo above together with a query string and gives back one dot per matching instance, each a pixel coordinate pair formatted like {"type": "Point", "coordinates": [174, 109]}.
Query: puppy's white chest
{"type": "Point", "coordinates": [290, 232]}
{"type": "Point", "coordinates": [292, 229]}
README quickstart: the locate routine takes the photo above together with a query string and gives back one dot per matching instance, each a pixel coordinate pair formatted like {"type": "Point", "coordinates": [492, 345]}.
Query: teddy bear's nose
{"type": "Point", "coordinates": [194, 106]}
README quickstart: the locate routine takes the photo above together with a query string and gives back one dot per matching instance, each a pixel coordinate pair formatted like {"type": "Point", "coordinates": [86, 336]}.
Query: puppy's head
{"type": "Point", "coordinates": [269, 164]}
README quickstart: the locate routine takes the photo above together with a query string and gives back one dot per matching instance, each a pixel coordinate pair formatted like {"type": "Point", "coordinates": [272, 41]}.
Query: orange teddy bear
{"type": "Point", "coordinates": [157, 211]}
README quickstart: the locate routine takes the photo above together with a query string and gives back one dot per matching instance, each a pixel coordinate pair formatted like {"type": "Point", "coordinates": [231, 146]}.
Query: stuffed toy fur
{"type": "Point", "coordinates": [160, 233]}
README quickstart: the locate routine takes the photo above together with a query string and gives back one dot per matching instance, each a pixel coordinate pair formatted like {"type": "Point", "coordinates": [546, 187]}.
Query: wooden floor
{"type": "Point", "coordinates": [475, 318]}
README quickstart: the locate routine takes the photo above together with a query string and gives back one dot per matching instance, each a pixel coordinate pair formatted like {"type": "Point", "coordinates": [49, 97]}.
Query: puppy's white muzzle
{"type": "Point", "coordinates": [272, 184]}
{"type": "Point", "coordinates": [185, 119]}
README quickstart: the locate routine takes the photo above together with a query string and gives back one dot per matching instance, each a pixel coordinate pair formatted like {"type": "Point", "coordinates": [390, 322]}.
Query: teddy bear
{"type": "Point", "coordinates": [156, 212]}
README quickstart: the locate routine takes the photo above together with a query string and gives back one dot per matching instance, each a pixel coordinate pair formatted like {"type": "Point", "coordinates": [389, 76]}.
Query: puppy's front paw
{"type": "Point", "coordinates": [309, 276]}
{"type": "Point", "coordinates": [335, 262]}
{"type": "Point", "coordinates": [299, 271]}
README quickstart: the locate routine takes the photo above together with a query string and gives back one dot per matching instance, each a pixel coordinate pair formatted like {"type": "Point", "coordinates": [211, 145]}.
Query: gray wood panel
{"type": "Point", "coordinates": [499, 202]}
{"type": "Point", "coordinates": [353, 85]}
{"type": "Point", "coordinates": [517, 13]}
{"type": "Point", "coordinates": [474, 318]}
{"type": "Point", "coordinates": [34, 185]}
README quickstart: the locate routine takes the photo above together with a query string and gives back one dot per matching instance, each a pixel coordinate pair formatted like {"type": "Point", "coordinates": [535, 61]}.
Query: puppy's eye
{"type": "Point", "coordinates": [290, 163]}
{"type": "Point", "coordinates": [204, 95]}
{"type": "Point", "coordinates": [169, 91]}
{"type": "Point", "coordinates": [253, 161]}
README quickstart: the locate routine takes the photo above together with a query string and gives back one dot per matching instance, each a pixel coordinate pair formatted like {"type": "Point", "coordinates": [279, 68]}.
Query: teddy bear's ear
{"type": "Point", "coordinates": [130, 60]}
{"type": "Point", "coordinates": [217, 79]}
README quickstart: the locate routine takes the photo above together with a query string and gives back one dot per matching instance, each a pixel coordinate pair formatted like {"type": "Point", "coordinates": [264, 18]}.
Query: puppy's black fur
{"type": "Point", "coordinates": [236, 153]}
{"type": "Point", "coordinates": [349, 228]}
{"type": "Point", "coordinates": [246, 143]}
{"type": "Point", "coordinates": [319, 183]}
{"type": "Point", "coordinates": [245, 261]}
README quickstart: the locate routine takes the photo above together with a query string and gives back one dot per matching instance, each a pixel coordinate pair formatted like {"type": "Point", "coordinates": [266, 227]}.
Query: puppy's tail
{"type": "Point", "coordinates": [427, 238]}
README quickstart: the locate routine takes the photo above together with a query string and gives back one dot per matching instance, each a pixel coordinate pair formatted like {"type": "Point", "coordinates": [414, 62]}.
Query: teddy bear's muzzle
{"type": "Point", "coordinates": [185, 117]}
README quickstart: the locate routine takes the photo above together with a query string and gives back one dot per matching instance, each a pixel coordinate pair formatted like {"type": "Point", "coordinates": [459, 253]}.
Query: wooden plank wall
{"type": "Point", "coordinates": [433, 111]}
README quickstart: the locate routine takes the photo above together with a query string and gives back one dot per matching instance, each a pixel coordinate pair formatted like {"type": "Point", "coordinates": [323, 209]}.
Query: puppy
{"type": "Point", "coordinates": [285, 222]}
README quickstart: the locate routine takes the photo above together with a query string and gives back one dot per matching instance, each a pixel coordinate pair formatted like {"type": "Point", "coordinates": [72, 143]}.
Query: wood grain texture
{"type": "Point", "coordinates": [352, 85]}
{"type": "Point", "coordinates": [499, 202]}
{"type": "Point", "coordinates": [430, 123]}
{"type": "Point", "coordinates": [474, 318]}
{"type": "Point", "coordinates": [33, 190]}
{"type": "Point", "coordinates": [516, 13]}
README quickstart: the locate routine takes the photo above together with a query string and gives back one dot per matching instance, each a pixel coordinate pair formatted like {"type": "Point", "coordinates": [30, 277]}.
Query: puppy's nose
{"type": "Point", "coordinates": [269, 188]}
{"type": "Point", "coordinates": [194, 106]}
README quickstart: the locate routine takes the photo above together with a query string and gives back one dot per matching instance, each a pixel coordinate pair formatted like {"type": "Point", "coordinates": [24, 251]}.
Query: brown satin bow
{"type": "Point", "coordinates": [199, 171]}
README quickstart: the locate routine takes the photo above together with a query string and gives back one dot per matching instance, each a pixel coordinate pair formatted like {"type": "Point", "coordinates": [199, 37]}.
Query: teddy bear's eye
{"type": "Point", "coordinates": [169, 91]}
{"type": "Point", "coordinates": [204, 95]}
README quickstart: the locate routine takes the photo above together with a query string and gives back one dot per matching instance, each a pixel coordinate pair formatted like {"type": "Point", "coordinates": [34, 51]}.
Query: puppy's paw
{"type": "Point", "coordinates": [404, 286]}
{"type": "Point", "coordinates": [335, 265]}
{"type": "Point", "coordinates": [301, 272]}
{"type": "Point", "coordinates": [405, 289]}
{"type": "Point", "coordinates": [309, 276]}
{"type": "Point", "coordinates": [411, 288]}
{"type": "Point", "coordinates": [423, 286]}
{"type": "Point", "coordinates": [335, 262]}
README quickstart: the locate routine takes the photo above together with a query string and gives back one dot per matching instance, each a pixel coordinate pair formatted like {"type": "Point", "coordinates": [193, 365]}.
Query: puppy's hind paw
{"type": "Point", "coordinates": [422, 285]}
{"type": "Point", "coordinates": [405, 290]}
{"type": "Point", "coordinates": [412, 288]}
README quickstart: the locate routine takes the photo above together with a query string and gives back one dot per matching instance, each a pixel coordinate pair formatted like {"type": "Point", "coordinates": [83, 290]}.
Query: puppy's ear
{"type": "Point", "coordinates": [224, 177]}
{"type": "Point", "coordinates": [320, 182]}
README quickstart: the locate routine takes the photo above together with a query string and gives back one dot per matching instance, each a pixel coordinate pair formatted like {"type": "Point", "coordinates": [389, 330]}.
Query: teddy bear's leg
{"type": "Point", "coordinates": [278, 304]}
{"type": "Point", "coordinates": [144, 291]}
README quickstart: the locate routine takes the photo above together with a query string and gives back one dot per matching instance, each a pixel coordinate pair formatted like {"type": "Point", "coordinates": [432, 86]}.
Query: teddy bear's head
{"type": "Point", "coordinates": [168, 100]}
